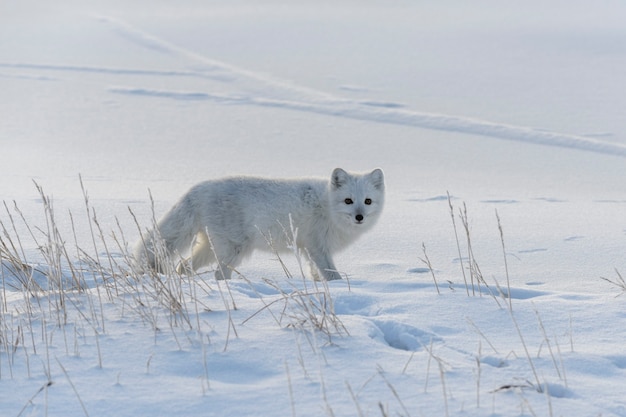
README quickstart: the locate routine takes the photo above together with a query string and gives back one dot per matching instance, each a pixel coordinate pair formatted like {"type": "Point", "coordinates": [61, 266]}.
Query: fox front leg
{"type": "Point", "coordinates": [323, 264]}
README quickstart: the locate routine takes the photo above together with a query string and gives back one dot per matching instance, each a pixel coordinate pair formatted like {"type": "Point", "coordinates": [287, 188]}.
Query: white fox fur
{"type": "Point", "coordinates": [223, 221]}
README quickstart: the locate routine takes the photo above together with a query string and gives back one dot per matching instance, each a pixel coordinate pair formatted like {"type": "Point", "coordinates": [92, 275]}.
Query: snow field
{"type": "Point", "coordinates": [279, 344]}
{"type": "Point", "coordinates": [511, 110]}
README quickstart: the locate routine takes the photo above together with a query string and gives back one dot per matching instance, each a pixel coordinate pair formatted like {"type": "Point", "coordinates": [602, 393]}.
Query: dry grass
{"type": "Point", "coordinates": [618, 282]}
{"type": "Point", "coordinates": [70, 296]}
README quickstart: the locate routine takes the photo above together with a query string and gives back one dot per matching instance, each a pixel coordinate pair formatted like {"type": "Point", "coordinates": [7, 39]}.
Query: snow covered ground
{"type": "Point", "coordinates": [515, 111]}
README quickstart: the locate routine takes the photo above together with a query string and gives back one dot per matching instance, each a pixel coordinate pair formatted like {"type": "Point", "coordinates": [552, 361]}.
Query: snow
{"type": "Point", "coordinates": [515, 112]}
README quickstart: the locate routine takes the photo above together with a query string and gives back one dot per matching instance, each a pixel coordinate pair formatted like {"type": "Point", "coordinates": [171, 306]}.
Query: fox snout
{"type": "Point", "coordinates": [359, 218]}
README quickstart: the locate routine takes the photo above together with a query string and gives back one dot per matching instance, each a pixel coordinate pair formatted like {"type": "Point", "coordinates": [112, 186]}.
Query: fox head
{"type": "Point", "coordinates": [357, 199]}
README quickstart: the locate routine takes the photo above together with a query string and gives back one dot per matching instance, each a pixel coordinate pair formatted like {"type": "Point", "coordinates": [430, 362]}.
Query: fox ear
{"type": "Point", "coordinates": [378, 178]}
{"type": "Point", "coordinates": [339, 178]}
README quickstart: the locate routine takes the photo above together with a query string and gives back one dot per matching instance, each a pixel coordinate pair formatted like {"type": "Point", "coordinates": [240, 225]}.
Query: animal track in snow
{"type": "Point", "coordinates": [353, 304]}
{"type": "Point", "coordinates": [403, 336]}
{"type": "Point", "coordinates": [355, 110]}
{"type": "Point", "coordinates": [261, 90]}
{"type": "Point", "coordinates": [533, 250]}
{"type": "Point", "coordinates": [419, 270]}
{"type": "Point", "coordinates": [550, 200]}
{"type": "Point", "coordinates": [619, 361]}
{"type": "Point", "coordinates": [254, 289]}
{"type": "Point", "coordinates": [522, 293]}
{"type": "Point", "coordinates": [500, 201]}
{"type": "Point", "coordinates": [384, 104]}
{"type": "Point", "coordinates": [431, 199]}
{"type": "Point", "coordinates": [28, 277]}
{"type": "Point", "coordinates": [213, 75]}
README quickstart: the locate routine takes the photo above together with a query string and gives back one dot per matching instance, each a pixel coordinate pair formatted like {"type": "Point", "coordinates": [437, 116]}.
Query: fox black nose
{"type": "Point", "coordinates": [359, 217]}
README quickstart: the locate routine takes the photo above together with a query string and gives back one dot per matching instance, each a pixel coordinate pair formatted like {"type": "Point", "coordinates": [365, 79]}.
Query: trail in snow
{"type": "Point", "coordinates": [147, 40]}
{"type": "Point", "coordinates": [378, 113]}
{"type": "Point", "coordinates": [295, 97]}
{"type": "Point", "coordinates": [118, 71]}
{"type": "Point", "coordinates": [271, 92]}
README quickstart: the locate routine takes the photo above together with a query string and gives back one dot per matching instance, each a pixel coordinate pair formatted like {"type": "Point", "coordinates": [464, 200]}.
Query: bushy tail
{"type": "Point", "coordinates": [163, 246]}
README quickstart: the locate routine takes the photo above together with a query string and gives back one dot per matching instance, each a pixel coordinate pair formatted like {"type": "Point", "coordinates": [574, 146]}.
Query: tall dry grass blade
{"type": "Point", "coordinates": [506, 264]}
{"type": "Point", "coordinates": [619, 282]}
{"type": "Point", "coordinates": [458, 245]}
{"type": "Point", "coordinates": [394, 391]}
{"type": "Point", "coordinates": [292, 402]}
{"type": "Point", "coordinates": [478, 374]}
{"type": "Point", "coordinates": [69, 380]}
{"type": "Point", "coordinates": [32, 398]}
{"type": "Point", "coordinates": [355, 400]}
{"type": "Point", "coordinates": [473, 265]}
{"type": "Point", "coordinates": [481, 334]}
{"type": "Point", "coordinates": [528, 357]}
{"type": "Point", "coordinates": [440, 365]}
{"type": "Point", "coordinates": [548, 344]}
{"type": "Point", "coordinates": [426, 260]}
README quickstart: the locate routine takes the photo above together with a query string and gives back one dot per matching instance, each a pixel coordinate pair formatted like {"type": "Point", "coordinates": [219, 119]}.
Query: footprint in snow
{"type": "Point", "coordinates": [254, 289]}
{"type": "Point", "coordinates": [383, 104]}
{"type": "Point", "coordinates": [402, 336]}
{"type": "Point", "coordinates": [436, 198]}
{"type": "Point", "coordinates": [494, 361]}
{"type": "Point", "coordinates": [349, 303]}
{"type": "Point", "coordinates": [522, 293]}
{"type": "Point", "coordinates": [618, 360]}
{"type": "Point", "coordinates": [419, 270]}
{"type": "Point", "coordinates": [504, 201]}
{"type": "Point", "coordinates": [533, 250]}
{"type": "Point", "coordinates": [550, 200]}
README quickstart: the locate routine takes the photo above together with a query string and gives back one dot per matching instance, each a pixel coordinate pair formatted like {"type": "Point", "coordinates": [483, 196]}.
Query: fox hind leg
{"type": "Point", "coordinates": [218, 250]}
{"type": "Point", "coordinates": [230, 255]}
{"type": "Point", "coordinates": [202, 254]}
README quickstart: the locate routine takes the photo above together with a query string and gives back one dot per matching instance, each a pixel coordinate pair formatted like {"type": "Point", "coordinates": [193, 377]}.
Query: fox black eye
{"type": "Point", "coordinates": [368, 201]}
{"type": "Point", "coordinates": [348, 201]}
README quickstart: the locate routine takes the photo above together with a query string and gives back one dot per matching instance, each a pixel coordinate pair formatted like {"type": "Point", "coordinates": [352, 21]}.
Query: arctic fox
{"type": "Point", "coordinates": [223, 221]}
